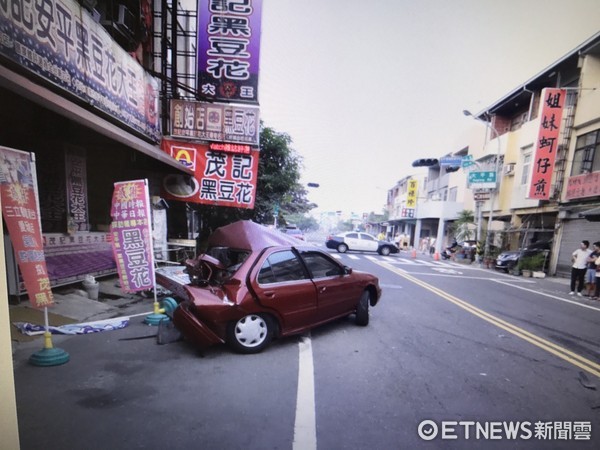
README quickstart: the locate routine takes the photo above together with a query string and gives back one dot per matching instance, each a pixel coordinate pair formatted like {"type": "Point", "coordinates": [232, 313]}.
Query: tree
{"type": "Point", "coordinates": [278, 184]}
{"type": "Point", "coordinates": [461, 229]}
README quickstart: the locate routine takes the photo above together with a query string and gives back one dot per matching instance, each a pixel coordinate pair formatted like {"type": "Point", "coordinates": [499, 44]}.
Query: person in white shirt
{"type": "Point", "coordinates": [579, 268]}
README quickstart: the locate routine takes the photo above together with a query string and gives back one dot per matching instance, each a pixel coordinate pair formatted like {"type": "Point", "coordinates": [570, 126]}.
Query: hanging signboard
{"type": "Point", "coordinates": [216, 122]}
{"type": "Point", "coordinates": [131, 234]}
{"type": "Point", "coordinates": [220, 179]}
{"type": "Point", "coordinates": [229, 49]}
{"type": "Point", "coordinates": [553, 102]}
{"type": "Point", "coordinates": [18, 189]}
{"type": "Point", "coordinates": [412, 192]}
{"type": "Point", "coordinates": [76, 176]}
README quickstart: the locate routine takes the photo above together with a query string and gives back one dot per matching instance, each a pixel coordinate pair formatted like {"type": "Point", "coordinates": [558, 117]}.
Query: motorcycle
{"type": "Point", "coordinates": [450, 251]}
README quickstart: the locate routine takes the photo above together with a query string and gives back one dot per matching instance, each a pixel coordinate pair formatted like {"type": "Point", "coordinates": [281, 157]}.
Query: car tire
{"type": "Point", "coordinates": [250, 334]}
{"type": "Point", "coordinates": [385, 250]}
{"type": "Point", "coordinates": [342, 248]}
{"type": "Point", "coordinates": [362, 309]}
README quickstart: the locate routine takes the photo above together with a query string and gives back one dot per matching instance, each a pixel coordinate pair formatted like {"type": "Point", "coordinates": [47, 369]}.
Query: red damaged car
{"type": "Point", "coordinates": [254, 284]}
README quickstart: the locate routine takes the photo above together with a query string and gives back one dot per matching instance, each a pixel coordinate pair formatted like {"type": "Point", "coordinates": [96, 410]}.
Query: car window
{"type": "Point", "coordinates": [280, 267]}
{"type": "Point", "coordinates": [352, 235]}
{"type": "Point", "coordinates": [366, 237]}
{"type": "Point", "coordinates": [320, 266]}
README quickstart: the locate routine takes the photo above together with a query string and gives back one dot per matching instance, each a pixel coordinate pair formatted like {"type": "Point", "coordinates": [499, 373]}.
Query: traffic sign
{"type": "Point", "coordinates": [467, 161]}
{"type": "Point", "coordinates": [451, 161]}
{"type": "Point", "coordinates": [482, 179]}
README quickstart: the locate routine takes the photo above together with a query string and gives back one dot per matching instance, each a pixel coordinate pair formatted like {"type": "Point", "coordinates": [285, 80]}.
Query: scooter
{"type": "Point", "coordinates": [449, 251]}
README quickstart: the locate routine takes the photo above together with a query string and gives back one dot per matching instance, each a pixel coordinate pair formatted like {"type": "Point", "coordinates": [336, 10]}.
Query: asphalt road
{"type": "Point", "coordinates": [452, 353]}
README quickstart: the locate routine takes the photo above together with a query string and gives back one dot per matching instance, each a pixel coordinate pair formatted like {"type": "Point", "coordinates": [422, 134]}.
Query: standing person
{"type": "Point", "coordinates": [578, 270]}
{"type": "Point", "coordinates": [597, 293]}
{"type": "Point", "coordinates": [590, 276]}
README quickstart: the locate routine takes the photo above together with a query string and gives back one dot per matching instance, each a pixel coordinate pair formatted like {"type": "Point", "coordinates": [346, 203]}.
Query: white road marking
{"type": "Point", "coordinates": [305, 426]}
{"type": "Point", "coordinates": [555, 297]}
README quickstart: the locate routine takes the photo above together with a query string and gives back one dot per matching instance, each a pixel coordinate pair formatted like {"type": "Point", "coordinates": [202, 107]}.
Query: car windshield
{"type": "Point", "coordinates": [230, 258]}
{"type": "Point", "coordinates": [216, 266]}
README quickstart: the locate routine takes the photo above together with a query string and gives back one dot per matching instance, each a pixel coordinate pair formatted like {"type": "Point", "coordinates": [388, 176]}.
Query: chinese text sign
{"type": "Point", "coordinates": [220, 179]}
{"type": "Point", "coordinates": [411, 196]}
{"type": "Point", "coordinates": [228, 49]}
{"type": "Point", "coordinates": [132, 235]}
{"type": "Point", "coordinates": [215, 122]}
{"type": "Point", "coordinates": [20, 212]}
{"type": "Point", "coordinates": [553, 102]}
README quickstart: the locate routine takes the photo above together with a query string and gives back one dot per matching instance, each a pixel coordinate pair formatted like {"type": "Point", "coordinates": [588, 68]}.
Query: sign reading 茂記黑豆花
{"type": "Point", "coordinates": [132, 235]}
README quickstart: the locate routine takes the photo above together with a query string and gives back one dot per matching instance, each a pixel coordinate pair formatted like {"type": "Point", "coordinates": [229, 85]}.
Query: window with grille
{"type": "Point", "coordinates": [587, 154]}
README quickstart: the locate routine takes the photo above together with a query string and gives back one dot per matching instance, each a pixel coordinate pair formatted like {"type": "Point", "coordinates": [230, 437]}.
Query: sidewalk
{"type": "Point", "coordinates": [72, 305]}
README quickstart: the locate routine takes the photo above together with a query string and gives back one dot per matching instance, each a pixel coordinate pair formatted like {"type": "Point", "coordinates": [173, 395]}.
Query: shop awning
{"type": "Point", "coordinates": [593, 215]}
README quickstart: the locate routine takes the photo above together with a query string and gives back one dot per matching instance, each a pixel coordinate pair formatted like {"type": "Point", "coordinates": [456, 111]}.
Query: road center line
{"type": "Point", "coordinates": [563, 353]}
{"type": "Point", "coordinates": [305, 427]}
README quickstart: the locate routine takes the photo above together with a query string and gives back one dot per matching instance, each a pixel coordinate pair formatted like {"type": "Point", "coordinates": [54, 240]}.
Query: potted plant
{"type": "Point", "coordinates": [526, 266]}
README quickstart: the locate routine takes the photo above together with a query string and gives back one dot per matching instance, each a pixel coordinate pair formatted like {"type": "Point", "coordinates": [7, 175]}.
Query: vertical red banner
{"type": "Point", "coordinates": [131, 231]}
{"type": "Point", "coordinates": [21, 213]}
{"type": "Point", "coordinates": [553, 103]}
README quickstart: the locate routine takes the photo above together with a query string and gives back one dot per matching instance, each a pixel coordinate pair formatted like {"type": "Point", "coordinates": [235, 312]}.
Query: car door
{"type": "Point", "coordinates": [368, 243]}
{"type": "Point", "coordinates": [337, 294]}
{"type": "Point", "coordinates": [281, 284]}
{"type": "Point", "coordinates": [352, 241]}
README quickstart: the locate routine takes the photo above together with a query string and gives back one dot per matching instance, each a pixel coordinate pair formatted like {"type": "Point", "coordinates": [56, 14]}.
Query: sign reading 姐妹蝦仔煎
{"type": "Point", "coordinates": [553, 103]}
{"type": "Point", "coordinates": [132, 235]}
{"type": "Point", "coordinates": [18, 190]}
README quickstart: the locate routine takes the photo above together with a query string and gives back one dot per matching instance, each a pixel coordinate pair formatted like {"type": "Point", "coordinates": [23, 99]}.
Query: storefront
{"type": "Point", "coordinates": [83, 137]}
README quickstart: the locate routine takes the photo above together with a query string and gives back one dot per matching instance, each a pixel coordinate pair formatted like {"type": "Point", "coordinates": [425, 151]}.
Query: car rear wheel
{"type": "Point", "coordinates": [250, 334]}
{"type": "Point", "coordinates": [385, 251]}
{"type": "Point", "coordinates": [342, 248]}
{"type": "Point", "coordinates": [362, 309]}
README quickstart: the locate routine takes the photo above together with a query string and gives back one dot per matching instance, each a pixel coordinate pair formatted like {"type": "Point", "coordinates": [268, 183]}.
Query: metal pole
{"type": "Point", "coordinates": [493, 131]}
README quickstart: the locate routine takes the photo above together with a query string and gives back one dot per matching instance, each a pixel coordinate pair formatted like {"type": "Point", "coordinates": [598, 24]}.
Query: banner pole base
{"type": "Point", "coordinates": [49, 356]}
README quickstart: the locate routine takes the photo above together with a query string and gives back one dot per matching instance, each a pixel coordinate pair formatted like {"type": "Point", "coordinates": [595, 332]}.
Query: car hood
{"type": "Point", "coordinates": [509, 255]}
{"type": "Point", "coordinates": [248, 235]}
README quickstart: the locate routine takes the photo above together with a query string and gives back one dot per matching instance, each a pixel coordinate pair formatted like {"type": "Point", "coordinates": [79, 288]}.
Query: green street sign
{"type": "Point", "coordinates": [482, 180]}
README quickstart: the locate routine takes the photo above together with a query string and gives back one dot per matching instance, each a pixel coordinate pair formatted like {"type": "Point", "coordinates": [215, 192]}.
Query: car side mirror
{"type": "Point", "coordinates": [347, 270]}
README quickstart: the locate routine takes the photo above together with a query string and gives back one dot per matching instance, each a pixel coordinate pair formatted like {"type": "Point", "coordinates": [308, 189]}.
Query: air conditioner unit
{"type": "Point", "coordinates": [509, 169]}
{"type": "Point", "coordinates": [436, 197]}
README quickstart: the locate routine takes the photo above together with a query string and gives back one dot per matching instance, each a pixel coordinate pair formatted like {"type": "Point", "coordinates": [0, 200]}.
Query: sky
{"type": "Point", "coordinates": [364, 88]}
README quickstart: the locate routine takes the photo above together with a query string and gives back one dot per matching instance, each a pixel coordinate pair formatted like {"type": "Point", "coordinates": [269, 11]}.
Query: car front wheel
{"type": "Point", "coordinates": [362, 309]}
{"type": "Point", "coordinates": [250, 334]}
{"type": "Point", "coordinates": [342, 248]}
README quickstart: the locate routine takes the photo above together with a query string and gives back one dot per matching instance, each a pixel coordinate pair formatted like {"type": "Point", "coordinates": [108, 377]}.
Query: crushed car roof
{"type": "Point", "coordinates": [248, 235]}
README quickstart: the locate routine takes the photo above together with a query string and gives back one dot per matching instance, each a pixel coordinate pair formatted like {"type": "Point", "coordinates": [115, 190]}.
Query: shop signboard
{"type": "Point", "coordinates": [582, 186]}
{"type": "Point", "coordinates": [553, 103]}
{"type": "Point", "coordinates": [215, 122]}
{"type": "Point", "coordinates": [20, 210]}
{"type": "Point", "coordinates": [220, 178]}
{"type": "Point", "coordinates": [60, 42]}
{"type": "Point", "coordinates": [131, 234]}
{"type": "Point", "coordinates": [229, 49]}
